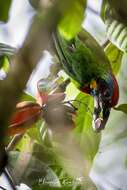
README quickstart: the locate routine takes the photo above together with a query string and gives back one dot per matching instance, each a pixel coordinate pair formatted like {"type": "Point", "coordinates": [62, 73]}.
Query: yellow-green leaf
{"type": "Point", "coordinates": [70, 23]}
{"type": "Point", "coordinates": [4, 10]}
{"type": "Point", "coordinates": [122, 107]}
{"type": "Point", "coordinates": [89, 139]}
{"type": "Point", "coordinates": [4, 63]}
{"type": "Point", "coordinates": [115, 57]}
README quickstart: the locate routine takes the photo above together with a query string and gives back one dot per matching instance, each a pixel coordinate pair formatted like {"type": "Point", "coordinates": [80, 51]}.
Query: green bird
{"type": "Point", "coordinates": [84, 60]}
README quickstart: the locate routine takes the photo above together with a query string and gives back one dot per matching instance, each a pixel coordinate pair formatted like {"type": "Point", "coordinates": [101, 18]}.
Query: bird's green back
{"type": "Point", "coordinates": [82, 58]}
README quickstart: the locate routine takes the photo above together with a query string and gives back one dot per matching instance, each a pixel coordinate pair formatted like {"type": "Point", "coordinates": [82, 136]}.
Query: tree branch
{"type": "Point", "coordinates": [24, 62]}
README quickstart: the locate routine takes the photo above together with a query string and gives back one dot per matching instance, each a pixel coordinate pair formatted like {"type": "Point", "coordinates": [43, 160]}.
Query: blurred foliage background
{"type": "Point", "coordinates": [41, 158]}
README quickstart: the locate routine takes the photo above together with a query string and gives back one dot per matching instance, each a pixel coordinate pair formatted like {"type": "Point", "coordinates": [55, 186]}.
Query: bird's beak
{"type": "Point", "coordinates": [100, 115]}
{"type": "Point", "coordinates": [106, 96]}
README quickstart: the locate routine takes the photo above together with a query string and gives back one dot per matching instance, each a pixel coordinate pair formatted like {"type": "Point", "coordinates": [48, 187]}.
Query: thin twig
{"type": "Point", "coordinates": [104, 45]}
{"type": "Point", "coordinates": [2, 188]}
{"type": "Point", "coordinates": [14, 141]}
{"type": "Point", "coordinates": [80, 102]}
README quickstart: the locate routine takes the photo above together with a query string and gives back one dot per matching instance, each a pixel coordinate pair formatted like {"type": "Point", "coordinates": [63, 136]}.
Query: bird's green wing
{"type": "Point", "coordinates": [82, 58]}
{"type": "Point", "coordinates": [98, 53]}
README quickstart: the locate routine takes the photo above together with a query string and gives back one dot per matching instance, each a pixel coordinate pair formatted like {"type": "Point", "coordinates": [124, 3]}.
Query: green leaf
{"type": "Point", "coordinates": [4, 63]}
{"type": "Point", "coordinates": [122, 107]}
{"type": "Point", "coordinates": [34, 132]}
{"type": "Point", "coordinates": [23, 144]}
{"type": "Point", "coordinates": [27, 97]}
{"type": "Point", "coordinates": [88, 139]}
{"type": "Point", "coordinates": [70, 23]}
{"type": "Point", "coordinates": [4, 10]}
{"type": "Point", "coordinates": [46, 135]}
{"type": "Point", "coordinates": [39, 151]}
{"type": "Point", "coordinates": [116, 28]}
{"type": "Point", "coordinates": [44, 154]}
{"type": "Point", "coordinates": [6, 52]}
{"type": "Point", "coordinates": [117, 32]}
{"type": "Point", "coordinates": [103, 9]}
{"type": "Point", "coordinates": [115, 57]}
{"type": "Point", "coordinates": [32, 170]}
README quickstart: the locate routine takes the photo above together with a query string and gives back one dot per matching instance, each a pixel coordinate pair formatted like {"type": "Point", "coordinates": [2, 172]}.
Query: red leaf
{"type": "Point", "coordinates": [27, 113]}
